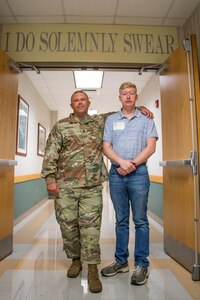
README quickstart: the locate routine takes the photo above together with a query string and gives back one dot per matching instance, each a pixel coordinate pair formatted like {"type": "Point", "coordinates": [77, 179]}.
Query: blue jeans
{"type": "Point", "coordinates": [131, 191]}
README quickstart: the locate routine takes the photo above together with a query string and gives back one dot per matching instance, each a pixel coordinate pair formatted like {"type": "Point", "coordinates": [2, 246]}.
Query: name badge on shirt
{"type": "Point", "coordinates": [118, 126]}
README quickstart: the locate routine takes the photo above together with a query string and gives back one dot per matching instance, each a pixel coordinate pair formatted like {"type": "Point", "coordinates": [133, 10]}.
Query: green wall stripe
{"type": "Point", "coordinates": [27, 194]}
{"type": "Point", "coordinates": [155, 202]}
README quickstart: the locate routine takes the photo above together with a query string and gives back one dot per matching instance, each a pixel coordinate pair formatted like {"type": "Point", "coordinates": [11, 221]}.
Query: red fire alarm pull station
{"type": "Point", "coordinates": [156, 103]}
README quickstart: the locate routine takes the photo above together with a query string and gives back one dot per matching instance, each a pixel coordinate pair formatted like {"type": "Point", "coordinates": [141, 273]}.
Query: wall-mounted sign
{"type": "Point", "coordinates": [88, 43]}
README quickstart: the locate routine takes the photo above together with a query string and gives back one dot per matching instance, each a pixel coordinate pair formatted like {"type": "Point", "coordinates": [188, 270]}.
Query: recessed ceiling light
{"type": "Point", "coordinates": [88, 79]}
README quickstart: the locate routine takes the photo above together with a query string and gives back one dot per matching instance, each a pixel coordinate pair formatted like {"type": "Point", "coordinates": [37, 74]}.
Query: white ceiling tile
{"type": "Point", "coordinates": [57, 75]}
{"type": "Point", "coordinates": [4, 8]}
{"type": "Point", "coordinates": [143, 8]}
{"type": "Point", "coordinates": [39, 84]}
{"type": "Point", "coordinates": [59, 84]}
{"type": "Point", "coordinates": [33, 75]}
{"type": "Point", "coordinates": [60, 90]}
{"type": "Point", "coordinates": [182, 8]}
{"type": "Point", "coordinates": [66, 94]}
{"type": "Point", "coordinates": [36, 7]}
{"type": "Point", "coordinates": [43, 90]}
{"type": "Point", "coordinates": [91, 19]}
{"type": "Point", "coordinates": [90, 7]}
{"type": "Point", "coordinates": [138, 21]}
{"type": "Point", "coordinates": [61, 98]}
{"type": "Point", "coordinates": [40, 19]}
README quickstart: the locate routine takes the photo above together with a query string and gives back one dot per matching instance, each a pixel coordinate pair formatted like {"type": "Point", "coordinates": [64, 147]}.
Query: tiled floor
{"type": "Point", "coordinates": [37, 267]}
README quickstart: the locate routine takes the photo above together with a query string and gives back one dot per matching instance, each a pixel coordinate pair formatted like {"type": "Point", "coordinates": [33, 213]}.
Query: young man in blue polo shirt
{"type": "Point", "coordinates": [129, 140]}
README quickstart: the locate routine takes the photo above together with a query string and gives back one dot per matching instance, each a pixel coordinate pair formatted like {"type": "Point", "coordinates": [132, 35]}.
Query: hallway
{"type": "Point", "coordinates": [37, 267]}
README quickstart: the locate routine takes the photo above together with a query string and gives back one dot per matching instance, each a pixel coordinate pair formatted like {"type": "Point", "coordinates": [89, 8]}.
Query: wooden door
{"type": "Point", "coordinates": [180, 111]}
{"type": "Point", "coordinates": [8, 114]}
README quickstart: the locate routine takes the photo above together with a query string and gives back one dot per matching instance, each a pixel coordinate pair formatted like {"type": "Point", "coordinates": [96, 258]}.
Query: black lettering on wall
{"type": "Point", "coordinates": [7, 41]}
{"type": "Point", "coordinates": [25, 42]}
{"type": "Point", "coordinates": [169, 44]}
{"type": "Point", "coordinates": [43, 41]}
{"type": "Point", "coordinates": [149, 43]}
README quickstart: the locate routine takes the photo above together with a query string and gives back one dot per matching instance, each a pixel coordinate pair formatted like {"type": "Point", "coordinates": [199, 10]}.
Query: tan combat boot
{"type": "Point", "coordinates": [94, 282]}
{"type": "Point", "coordinates": [75, 268]}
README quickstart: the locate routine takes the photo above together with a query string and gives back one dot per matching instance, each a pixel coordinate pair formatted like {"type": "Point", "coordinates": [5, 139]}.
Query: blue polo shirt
{"type": "Point", "coordinates": [129, 137]}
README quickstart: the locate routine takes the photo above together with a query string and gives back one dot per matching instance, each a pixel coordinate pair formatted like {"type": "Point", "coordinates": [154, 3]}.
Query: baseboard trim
{"type": "Point", "coordinates": [6, 246]}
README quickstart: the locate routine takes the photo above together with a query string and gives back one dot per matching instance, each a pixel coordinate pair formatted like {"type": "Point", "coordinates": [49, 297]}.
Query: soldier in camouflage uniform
{"type": "Point", "coordinates": [74, 170]}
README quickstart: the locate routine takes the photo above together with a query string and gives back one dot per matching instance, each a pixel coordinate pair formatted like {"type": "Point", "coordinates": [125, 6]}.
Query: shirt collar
{"type": "Point", "coordinates": [74, 119]}
{"type": "Point", "coordinates": [137, 114]}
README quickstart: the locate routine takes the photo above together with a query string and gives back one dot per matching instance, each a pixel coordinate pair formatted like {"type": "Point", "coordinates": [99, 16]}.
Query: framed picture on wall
{"type": "Point", "coordinates": [41, 140]}
{"type": "Point", "coordinates": [22, 127]}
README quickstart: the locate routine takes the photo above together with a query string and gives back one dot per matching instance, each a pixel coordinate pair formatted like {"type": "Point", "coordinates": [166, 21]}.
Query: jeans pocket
{"type": "Point", "coordinates": [113, 171]}
{"type": "Point", "coordinates": [141, 170]}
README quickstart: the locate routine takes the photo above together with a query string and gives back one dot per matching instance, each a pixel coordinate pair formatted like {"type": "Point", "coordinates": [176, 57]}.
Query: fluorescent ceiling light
{"type": "Point", "coordinates": [88, 79]}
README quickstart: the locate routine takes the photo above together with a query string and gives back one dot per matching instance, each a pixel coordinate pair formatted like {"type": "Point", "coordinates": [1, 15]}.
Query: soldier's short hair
{"type": "Point", "coordinates": [80, 91]}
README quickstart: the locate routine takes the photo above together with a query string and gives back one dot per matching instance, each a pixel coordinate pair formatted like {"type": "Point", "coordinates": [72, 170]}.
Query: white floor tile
{"type": "Point", "coordinates": [37, 271]}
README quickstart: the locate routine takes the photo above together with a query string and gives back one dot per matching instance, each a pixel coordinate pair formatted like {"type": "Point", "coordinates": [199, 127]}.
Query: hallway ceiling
{"type": "Point", "coordinates": [55, 87]}
{"type": "Point", "coordinates": [134, 12]}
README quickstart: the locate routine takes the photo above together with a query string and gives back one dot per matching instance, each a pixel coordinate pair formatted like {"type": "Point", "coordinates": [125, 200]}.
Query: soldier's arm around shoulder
{"type": "Point", "coordinates": [105, 115]}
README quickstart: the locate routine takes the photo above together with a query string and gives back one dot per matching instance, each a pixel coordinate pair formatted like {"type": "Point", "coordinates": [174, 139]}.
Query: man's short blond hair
{"type": "Point", "coordinates": [126, 85]}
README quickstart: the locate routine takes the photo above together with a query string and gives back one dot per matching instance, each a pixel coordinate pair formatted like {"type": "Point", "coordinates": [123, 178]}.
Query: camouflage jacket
{"type": "Point", "coordinates": [73, 154]}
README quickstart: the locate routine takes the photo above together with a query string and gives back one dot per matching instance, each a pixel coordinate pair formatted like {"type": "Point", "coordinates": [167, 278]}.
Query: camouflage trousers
{"type": "Point", "coordinates": [79, 214]}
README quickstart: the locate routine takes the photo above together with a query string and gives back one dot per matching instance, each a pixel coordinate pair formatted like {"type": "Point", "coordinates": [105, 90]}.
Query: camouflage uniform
{"type": "Point", "coordinates": [73, 159]}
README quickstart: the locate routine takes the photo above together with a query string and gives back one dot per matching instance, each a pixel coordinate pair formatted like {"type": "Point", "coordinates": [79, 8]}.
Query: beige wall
{"type": "Point", "coordinates": [38, 113]}
{"type": "Point", "coordinates": [147, 97]}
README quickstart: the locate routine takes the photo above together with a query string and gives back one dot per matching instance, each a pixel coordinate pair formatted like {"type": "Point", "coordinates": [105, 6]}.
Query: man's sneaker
{"type": "Point", "coordinates": [140, 275]}
{"type": "Point", "coordinates": [114, 268]}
